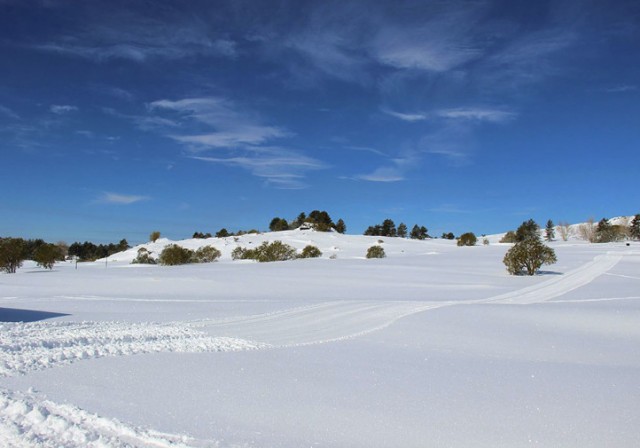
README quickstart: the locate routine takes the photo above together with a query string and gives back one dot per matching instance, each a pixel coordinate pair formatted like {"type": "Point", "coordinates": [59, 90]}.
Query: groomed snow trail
{"type": "Point", "coordinates": [326, 322]}
{"type": "Point", "coordinates": [560, 284]}
{"type": "Point", "coordinates": [26, 347]}
{"type": "Point", "coordinates": [27, 420]}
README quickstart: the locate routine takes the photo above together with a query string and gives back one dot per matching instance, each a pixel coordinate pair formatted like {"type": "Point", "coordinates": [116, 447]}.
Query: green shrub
{"type": "Point", "coordinates": [527, 256]}
{"type": "Point", "coordinates": [206, 254]}
{"type": "Point", "coordinates": [467, 239]}
{"type": "Point", "coordinates": [376, 252]}
{"type": "Point", "coordinates": [144, 257]}
{"type": "Point", "coordinates": [276, 251]}
{"type": "Point", "coordinates": [266, 252]}
{"type": "Point", "coordinates": [12, 254]}
{"type": "Point", "coordinates": [46, 255]}
{"type": "Point", "coordinates": [310, 252]}
{"type": "Point", "coordinates": [509, 237]}
{"type": "Point", "coordinates": [173, 255]}
{"type": "Point", "coordinates": [240, 253]}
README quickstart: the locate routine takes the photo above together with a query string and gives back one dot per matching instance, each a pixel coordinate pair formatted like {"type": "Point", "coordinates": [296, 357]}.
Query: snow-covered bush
{"type": "Point", "coordinates": [527, 256]}
{"type": "Point", "coordinates": [310, 252]}
{"type": "Point", "coordinates": [144, 257]}
{"type": "Point", "coordinates": [376, 252]}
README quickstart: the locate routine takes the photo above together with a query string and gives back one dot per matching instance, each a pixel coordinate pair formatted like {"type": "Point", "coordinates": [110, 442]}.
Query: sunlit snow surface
{"type": "Point", "coordinates": [433, 346]}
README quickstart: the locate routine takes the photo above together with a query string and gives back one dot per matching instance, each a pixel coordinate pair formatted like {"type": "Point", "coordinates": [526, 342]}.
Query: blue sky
{"type": "Point", "coordinates": [118, 117]}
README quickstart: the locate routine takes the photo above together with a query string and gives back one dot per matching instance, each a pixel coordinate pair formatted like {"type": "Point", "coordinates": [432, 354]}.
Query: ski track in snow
{"type": "Point", "coordinates": [317, 324]}
{"type": "Point", "coordinates": [27, 420]}
{"type": "Point", "coordinates": [561, 284]}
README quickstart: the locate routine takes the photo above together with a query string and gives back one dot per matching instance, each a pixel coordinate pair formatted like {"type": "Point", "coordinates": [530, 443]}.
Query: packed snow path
{"type": "Point", "coordinates": [560, 284]}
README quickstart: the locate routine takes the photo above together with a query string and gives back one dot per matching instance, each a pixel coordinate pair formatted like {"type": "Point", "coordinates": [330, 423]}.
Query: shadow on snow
{"type": "Point", "coordinates": [17, 315]}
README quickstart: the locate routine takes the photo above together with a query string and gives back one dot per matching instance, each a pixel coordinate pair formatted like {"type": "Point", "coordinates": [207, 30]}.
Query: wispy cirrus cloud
{"type": "Point", "coordinates": [109, 34]}
{"type": "Point", "coordinates": [404, 116]}
{"type": "Point", "coordinates": [621, 88]}
{"type": "Point", "coordinates": [477, 114]}
{"type": "Point", "coordinates": [121, 199]}
{"type": "Point", "coordinates": [229, 126]}
{"type": "Point", "coordinates": [239, 137]}
{"type": "Point", "coordinates": [281, 168]}
{"type": "Point", "coordinates": [5, 111]}
{"type": "Point", "coordinates": [61, 109]}
{"type": "Point", "coordinates": [392, 171]}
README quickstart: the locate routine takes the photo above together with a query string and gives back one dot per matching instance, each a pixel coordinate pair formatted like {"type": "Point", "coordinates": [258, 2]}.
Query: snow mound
{"type": "Point", "coordinates": [26, 347]}
{"type": "Point", "coordinates": [27, 420]}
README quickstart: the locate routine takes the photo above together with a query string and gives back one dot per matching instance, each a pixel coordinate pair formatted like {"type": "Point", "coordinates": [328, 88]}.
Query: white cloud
{"type": "Point", "coordinates": [232, 128]}
{"type": "Point", "coordinates": [125, 199]}
{"type": "Point", "coordinates": [410, 117]}
{"type": "Point", "coordinates": [281, 168]}
{"type": "Point", "coordinates": [8, 112]}
{"type": "Point", "coordinates": [123, 35]}
{"type": "Point", "coordinates": [477, 114]}
{"type": "Point", "coordinates": [382, 174]}
{"type": "Point", "coordinates": [621, 88]}
{"type": "Point", "coordinates": [61, 109]}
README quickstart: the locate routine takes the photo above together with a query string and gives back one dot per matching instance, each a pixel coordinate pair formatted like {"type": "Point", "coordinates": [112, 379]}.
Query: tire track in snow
{"type": "Point", "coordinates": [26, 347]}
{"type": "Point", "coordinates": [315, 324]}
{"type": "Point", "coordinates": [559, 285]}
{"type": "Point", "coordinates": [28, 420]}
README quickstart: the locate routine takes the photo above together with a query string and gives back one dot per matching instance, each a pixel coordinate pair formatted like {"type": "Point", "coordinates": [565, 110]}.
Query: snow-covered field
{"type": "Point", "coordinates": [433, 346]}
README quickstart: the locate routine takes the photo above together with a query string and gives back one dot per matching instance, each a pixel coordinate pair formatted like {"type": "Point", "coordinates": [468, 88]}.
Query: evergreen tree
{"type": "Point", "coordinates": [222, 233]}
{"type": "Point", "coordinates": [154, 236]}
{"type": "Point", "coordinates": [634, 230]}
{"type": "Point", "coordinates": [605, 232]}
{"type": "Point", "coordinates": [298, 221]}
{"type": "Point", "coordinates": [528, 230]}
{"type": "Point", "coordinates": [549, 231]}
{"type": "Point", "coordinates": [389, 228]}
{"type": "Point", "coordinates": [278, 224]}
{"type": "Point", "coordinates": [402, 230]}
{"type": "Point", "coordinates": [448, 236]}
{"type": "Point", "coordinates": [341, 227]}
{"type": "Point", "coordinates": [418, 232]}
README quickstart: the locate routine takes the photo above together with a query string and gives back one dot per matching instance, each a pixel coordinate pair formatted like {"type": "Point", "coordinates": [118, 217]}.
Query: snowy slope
{"type": "Point", "coordinates": [434, 345]}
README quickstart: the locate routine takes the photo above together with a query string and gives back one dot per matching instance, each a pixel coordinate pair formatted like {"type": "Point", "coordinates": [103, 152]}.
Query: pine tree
{"type": "Point", "coordinates": [550, 232]}
{"type": "Point", "coordinates": [341, 227]}
{"type": "Point", "coordinates": [528, 230]}
{"type": "Point", "coordinates": [402, 230]}
{"type": "Point", "coordinates": [634, 230]}
{"type": "Point", "coordinates": [419, 232]}
{"type": "Point", "coordinates": [388, 228]}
